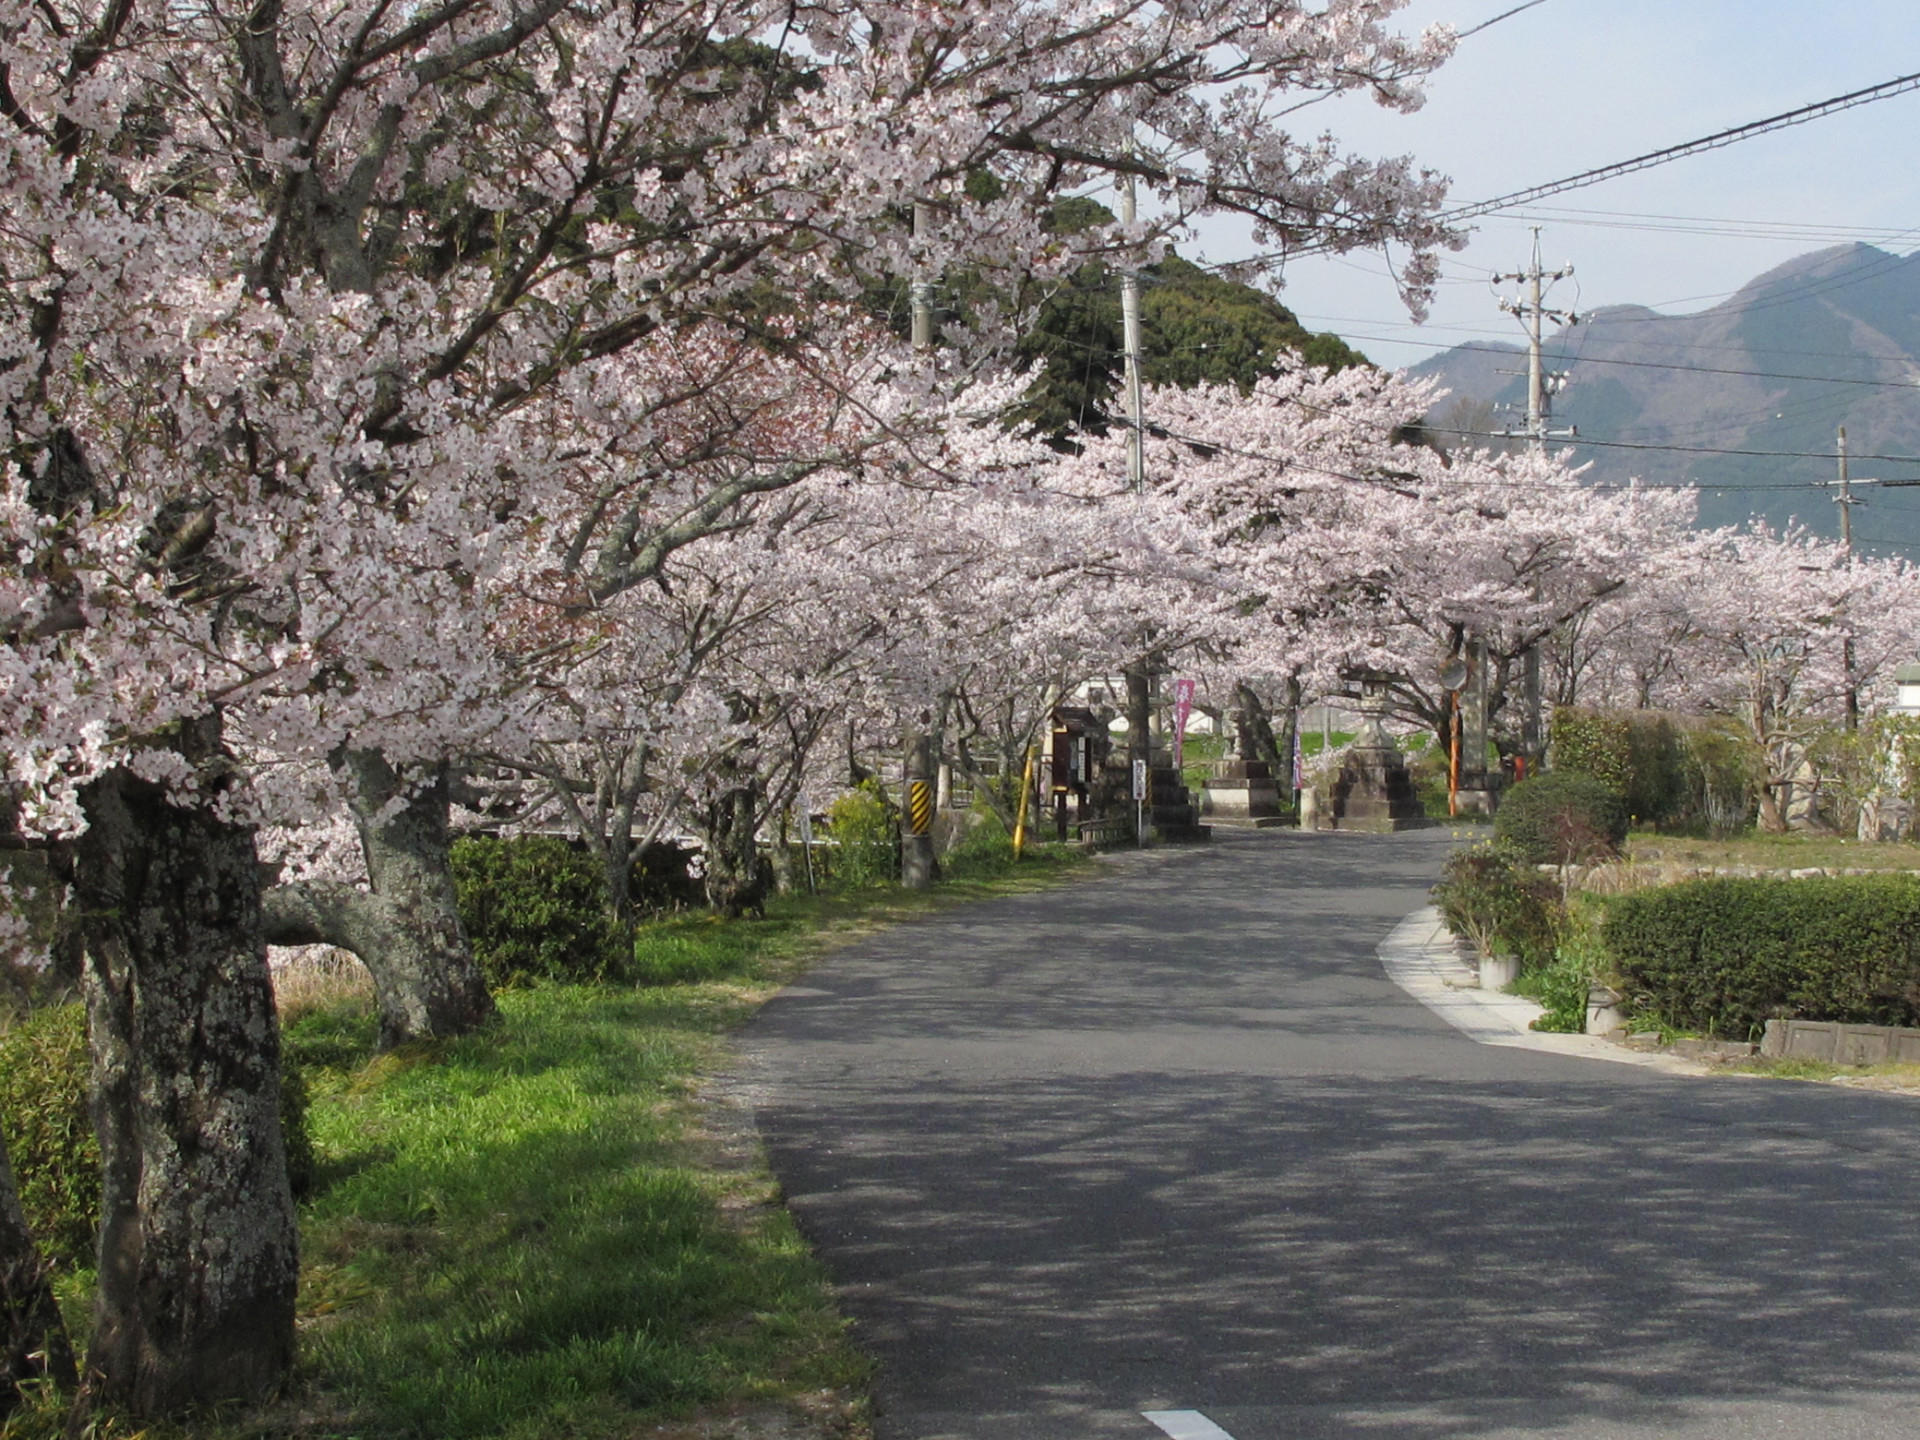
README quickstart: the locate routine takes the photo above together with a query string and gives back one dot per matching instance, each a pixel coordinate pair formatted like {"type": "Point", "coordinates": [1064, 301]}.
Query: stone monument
{"type": "Point", "coordinates": [1374, 792]}
{"type": "Point", "coordinates": [1241, 790]}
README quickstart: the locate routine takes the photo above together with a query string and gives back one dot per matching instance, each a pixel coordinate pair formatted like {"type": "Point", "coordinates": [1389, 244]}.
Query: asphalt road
{"type": "Point", "coordinates": [1171, 1141]}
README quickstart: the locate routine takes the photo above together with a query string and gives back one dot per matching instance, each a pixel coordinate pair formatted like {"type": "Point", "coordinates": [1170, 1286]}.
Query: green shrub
{"type": "Point", "coordinates": [1561, 818]}
{"type": "Point", "coordinates": [985, 849]}
{"type": "Point", "coordinates": [1564, 986]}
{"type": "Point", "coordinates": [50, 1139]}
{"type": "Point", "coordinates": [867, 837]}
{"type": "Point", "coordinates": [1500, 904]}
{"type": "Point", "coordinates": [1638, 754]}
{"type": "Point", "coordinates": [1725, 956]}
{"type": "Point", "coordinates": [534, 908]}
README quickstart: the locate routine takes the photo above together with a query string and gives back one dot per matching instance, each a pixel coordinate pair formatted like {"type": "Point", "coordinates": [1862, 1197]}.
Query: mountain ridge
{"type": "Point", "coordinates": [1826, 339]}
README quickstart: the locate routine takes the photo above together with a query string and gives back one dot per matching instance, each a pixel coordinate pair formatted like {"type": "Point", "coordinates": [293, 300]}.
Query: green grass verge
{"type": "Point", "coordinates": [540, 1230]}
{"type": "Point", "coordinates": [526, 1232]}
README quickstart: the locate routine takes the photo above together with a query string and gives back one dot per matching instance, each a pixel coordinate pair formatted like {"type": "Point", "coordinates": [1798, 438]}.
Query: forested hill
{"type": "Point", "coordinates": [1829, 339]}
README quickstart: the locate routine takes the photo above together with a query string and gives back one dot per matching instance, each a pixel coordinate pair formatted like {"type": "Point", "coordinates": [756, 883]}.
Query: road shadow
{"type": "Point", "coordinates": [1168, 1239]}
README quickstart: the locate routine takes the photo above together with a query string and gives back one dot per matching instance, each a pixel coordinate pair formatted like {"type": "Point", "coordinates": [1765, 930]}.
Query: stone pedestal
{"type": "Point", "coordinates": [1172, 817]}
{"type": "Point", "coordinates": [1374, 792]}
{"type": "Point", "coordinates": [1241, 792]}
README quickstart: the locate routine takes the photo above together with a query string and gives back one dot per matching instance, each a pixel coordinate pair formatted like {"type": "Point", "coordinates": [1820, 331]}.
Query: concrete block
{"type": "Point", "coordinates": [1903, 1047]}
{"type": "Point", "coordinates": [1498, 971]}
{"type": "Point", "coordinates": [1861, 1045]}
{"type": "Point", "coordinates": [1774, 1044]}
{"type": "Point", "coordinates": [1811, 1040]}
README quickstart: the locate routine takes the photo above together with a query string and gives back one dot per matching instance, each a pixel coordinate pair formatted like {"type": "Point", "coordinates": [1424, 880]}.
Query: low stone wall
{"type": "Point", "coordinates": [1838, 1044]}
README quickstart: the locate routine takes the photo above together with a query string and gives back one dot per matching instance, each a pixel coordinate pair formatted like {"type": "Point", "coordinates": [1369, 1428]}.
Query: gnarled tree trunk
{"type": "Point", "coordinates": [738, 879]}
{"type": "Point", "coordinates": [33, 1342]}
{"type": "Point", "coordinates": [198, 1254]}
{"type": "Point", "coordinates": [407, 929]}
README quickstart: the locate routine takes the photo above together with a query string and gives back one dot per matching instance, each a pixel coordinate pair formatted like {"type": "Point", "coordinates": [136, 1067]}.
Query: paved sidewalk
{"type": "Point", "coordinates": [1423, 959]}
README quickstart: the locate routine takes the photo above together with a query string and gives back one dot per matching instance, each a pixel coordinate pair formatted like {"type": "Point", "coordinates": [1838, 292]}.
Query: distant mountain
{"type": "Point", "coordinates": [1829, 339]}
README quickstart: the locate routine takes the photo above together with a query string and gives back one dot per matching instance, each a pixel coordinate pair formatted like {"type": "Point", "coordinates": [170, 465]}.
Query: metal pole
{"type": "Point", "coordinates": [1026, 789]}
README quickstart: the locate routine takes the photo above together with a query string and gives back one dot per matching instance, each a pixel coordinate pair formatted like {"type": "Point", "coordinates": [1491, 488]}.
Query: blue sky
{"type": "Point", "coordinates": [1574, 84]}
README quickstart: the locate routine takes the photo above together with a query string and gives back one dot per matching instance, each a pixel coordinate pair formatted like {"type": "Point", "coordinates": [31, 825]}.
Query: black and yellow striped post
{"type": "Point", "coordinates": [916, 815]}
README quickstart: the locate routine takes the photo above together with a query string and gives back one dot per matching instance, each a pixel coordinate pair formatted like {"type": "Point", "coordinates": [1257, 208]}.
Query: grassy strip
{"type": "Point", "coordinates": [1878, 1077]}
{"type": "Point", "coordinates": [521, 1234]}
{"type": "Point", "coordinates": [1793, 851]}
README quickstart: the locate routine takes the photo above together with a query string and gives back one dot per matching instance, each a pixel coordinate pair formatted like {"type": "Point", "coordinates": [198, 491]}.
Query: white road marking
{"type": "Point", "coordinates": [1186, 1425]}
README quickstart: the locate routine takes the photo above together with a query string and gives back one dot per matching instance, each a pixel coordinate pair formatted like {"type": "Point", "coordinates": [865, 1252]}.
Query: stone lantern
{"type": "Point", "coordinates": [1374, 792]}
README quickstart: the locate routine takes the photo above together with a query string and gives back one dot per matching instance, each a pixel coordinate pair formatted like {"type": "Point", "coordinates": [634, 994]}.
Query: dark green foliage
{"type": "Point", "coordinates": [1561, 818]}
{"type": "Point", "coordinates": [1639, 754]}
{"type": "Point", "coordinates": [1195, 328]}
{"type": "Point", "coordinates": [662, 878]}
{"type": "Point", "coordinates": [1725, 956]}
{"type": "Point", "coordinates": [1501, 904]}
{"type": "Point", "coordinates": [50, 1139]}
{"type": "Point", "coordinates": [535, 909]}
{"type": "Point", "coordinates": [43, 1107]}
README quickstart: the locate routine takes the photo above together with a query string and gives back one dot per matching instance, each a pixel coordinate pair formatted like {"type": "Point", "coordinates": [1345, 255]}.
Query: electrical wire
{"type": "Point", "coordinates": [1886, 89]}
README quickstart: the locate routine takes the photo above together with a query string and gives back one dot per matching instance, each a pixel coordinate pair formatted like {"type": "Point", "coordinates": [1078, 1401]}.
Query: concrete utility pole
{"type": "Point", "coordinates": [1542, 386]}
{"type": "Point", "coordinates": [1139, 677]}
{"type": "Point", "coordinates": [1844, 499]}
{"type": "Point", "coordinates": [1130, 349]}
{"type": "Point", "coordinates": [917, 765]}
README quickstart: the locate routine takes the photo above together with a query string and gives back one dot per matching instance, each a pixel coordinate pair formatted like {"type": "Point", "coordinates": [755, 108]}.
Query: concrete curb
{"type": "Point", "coordinates": [1421, 958]}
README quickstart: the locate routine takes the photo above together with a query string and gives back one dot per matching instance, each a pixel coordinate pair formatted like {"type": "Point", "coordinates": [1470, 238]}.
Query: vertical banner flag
{"type": "Point", "coordinates": [1182, 708]}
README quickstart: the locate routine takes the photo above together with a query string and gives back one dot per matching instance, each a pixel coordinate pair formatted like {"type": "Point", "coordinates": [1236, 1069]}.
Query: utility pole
{"type": "Point", "coordinates": [917, 767]}
{"type": "Point", "coordinates": [1130, 349]}
{"type": "Point", "coordinates": [1844, 499]}
{"type": "Point", "coordinates": [1139, 677]}
{"type": "Point", "coordinates": [1542, 386]}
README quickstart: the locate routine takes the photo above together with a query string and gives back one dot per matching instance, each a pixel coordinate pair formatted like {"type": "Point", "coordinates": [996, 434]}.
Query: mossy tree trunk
{"type": "Point", "coordinates": [406, 928]}
{"type": "Point", "coordinates": [198, 1255]}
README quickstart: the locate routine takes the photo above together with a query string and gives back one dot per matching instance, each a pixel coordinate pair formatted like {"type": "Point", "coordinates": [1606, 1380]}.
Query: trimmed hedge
{"type": "Point", "coordinates": [1726, 956]}
{"type": "Point", "coordinates": [50, 1139]}
{"type": "Point", "coordinates": [534, 908]}
{"type": "Point", "coordinates": [1560, 818]}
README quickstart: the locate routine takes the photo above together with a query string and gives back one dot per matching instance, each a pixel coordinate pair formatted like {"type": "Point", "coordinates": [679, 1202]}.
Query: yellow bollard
{"type": "Point", "coordinates": [1026, 791]}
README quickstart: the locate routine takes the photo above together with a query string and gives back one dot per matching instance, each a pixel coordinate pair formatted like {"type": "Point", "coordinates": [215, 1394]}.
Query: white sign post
{"type": "Point", "coordinates": [1140, 801]}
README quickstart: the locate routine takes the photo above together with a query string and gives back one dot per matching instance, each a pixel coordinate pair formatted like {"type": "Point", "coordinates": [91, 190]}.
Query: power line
{"type": "Point", "coordinates": [1503, 15]}
{"type": "Point", "coordinates": [1697, 449]}
{"type": "Point", "coordinates": [1885, 90]}
{"type": "Point", "coordinates": [1704, 369]}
